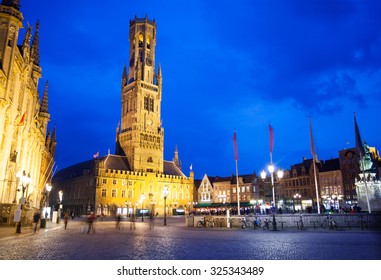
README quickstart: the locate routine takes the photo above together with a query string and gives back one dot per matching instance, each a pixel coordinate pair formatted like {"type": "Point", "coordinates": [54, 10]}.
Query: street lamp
{"type": "Point", "coordinates": [280, 173]}
{"type": "Point", "coordinates": [297, 197]}
{"type": "Point", "coordinates": [141, 200]}
{"type": "Point", "coordinates": [46, 193]}
{"type": "Point", "coordinates": [60, 195]}
{"type": "Point", "coordinates": [271, 169]}
{"type": "Point", "coordinates": [24, 180]}
{"type": "Point", "coordinates": [165, 194]}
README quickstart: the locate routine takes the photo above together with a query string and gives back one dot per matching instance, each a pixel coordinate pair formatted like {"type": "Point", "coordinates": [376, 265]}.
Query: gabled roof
{"type": "Point", "coordinates": [114, 162]}
{"type": "Point", "coordinates": [170, 168]}
{"type": "Point", "coordinates": [330, 165]}
{"type": "Point", "coordinates": [75, 170]}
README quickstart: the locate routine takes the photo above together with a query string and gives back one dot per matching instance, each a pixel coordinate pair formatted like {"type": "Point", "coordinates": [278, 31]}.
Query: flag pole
{"type": "Point", "coordinates": [313, 152]}
{"type": "Point", "coordinates": [360, 149]}
{"type": "Point", "coordinates": [236, 170]}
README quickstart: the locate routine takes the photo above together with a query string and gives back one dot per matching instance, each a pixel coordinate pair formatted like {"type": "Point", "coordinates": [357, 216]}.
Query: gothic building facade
{"type": "Point", "coordinates": [27, 148]}
{"type": "Point", "coordinates": [133, 179]}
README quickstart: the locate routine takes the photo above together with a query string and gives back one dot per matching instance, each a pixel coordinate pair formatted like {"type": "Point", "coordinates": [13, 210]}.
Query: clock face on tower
{"type": "Point", "coordinates": [149, 122]}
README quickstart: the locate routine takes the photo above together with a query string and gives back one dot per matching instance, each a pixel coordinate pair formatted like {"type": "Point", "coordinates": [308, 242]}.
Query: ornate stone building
{"type": "Point", "coordinates": [26, 147]}
{"type": "Point", "coordinates": [134, 178]}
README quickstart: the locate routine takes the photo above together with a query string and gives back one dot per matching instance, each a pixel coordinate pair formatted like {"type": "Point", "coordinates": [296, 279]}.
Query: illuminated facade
{"type": "Point", "coordinates": [26, 145]}
{"type": "Point", "coordinates": [132, 180]}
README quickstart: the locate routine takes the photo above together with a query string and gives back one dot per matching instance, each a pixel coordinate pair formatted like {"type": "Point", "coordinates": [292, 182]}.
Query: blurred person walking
{"type": "Point", "coordinates": [118, 219]}
{"type": "Point", "coordinates": [151, 221]}
{"type": "Point", "coordinates": [36, 219]}
{"type": "Point", "coordinates": [90, 222]}
{"type": "Point", "coordinates": [132, 221]}
{"type": "Point", "coordinates": [66, 219]}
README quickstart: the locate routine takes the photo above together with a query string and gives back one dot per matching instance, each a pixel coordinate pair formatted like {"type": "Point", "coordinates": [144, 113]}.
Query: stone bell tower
{"type": "Point", "coordinates": [140, 136]}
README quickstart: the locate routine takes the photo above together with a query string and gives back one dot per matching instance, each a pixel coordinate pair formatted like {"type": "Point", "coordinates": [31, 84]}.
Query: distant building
{"type": "Point", "coordinates": [298, 186]}
{"type": "Point", "coordinates": [132, 180]}
{"type": "Point", "coordinates": [27, 148]}
{"type": "Point", "coordinates": [331, 185]}
{"type": "Point", "coordinates": [217, 194]}
{"type": "Point", "coordinates": [350, 169]}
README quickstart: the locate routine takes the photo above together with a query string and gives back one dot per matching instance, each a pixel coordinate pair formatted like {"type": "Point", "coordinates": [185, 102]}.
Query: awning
{"type": "Point", "coordinates": [222, 205]}
{"type": "Point", "coordinates": [201, 205]}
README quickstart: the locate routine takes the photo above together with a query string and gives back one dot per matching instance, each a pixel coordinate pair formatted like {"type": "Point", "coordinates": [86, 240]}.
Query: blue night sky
{"type": "Point", "coordinates": [227, 65]}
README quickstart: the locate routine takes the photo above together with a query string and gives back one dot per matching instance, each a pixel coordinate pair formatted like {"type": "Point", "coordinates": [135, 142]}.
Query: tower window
{"type": "Point", "coordinates": [140, 40]}
{"type": "Point", "coordinates": [151, 104]}
{"type": "Point", "coordinates": [146, 103]}
{"type": "Point", "coordinates": [149, 43]}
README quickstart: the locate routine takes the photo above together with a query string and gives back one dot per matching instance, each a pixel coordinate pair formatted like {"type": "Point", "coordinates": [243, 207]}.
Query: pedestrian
{"type": "Point", "coordinates": [90, 222]}
{"type": "Point", "coordinates": [118, 219]}
{"type": "Point", "coordinates": [66, 219]}
{"type": "Point", "coordinates": [36, 219]}
{"type": "Point", "coordinates": [151, 221]}
{"type": "Point", "coordinates": [132, 221]}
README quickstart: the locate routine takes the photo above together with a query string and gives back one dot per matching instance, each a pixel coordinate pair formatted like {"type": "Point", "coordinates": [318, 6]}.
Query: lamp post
{"type": "Point", "coordinates": [271, 169]}
{"type": "Point", "coordinates": [60, 194]}
{"type": "Point", "coordinates": [165, 194]}
{"type": "Point", "coordinates": [142, 200]}
{"type": "Point", "coordinates": [24, 180]}
{"type": "Point", "coordinates": [46, 193]}
{"type": "Point", "coordinates": [297, 197]}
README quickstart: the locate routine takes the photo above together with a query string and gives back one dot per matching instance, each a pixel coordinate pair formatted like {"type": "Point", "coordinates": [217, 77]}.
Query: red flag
{"type": "Point", "coordinates": [22, 120]}
{"type": "Point", "coordinates": [271, 130]}
{"type": "Point", "coordinates": [235, 146]}
{"type": "Point", "coordinates": [96, 155]}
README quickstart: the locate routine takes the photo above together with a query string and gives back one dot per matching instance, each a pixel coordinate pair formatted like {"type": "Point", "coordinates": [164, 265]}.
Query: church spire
{"type": "Point", "coordinates": [159, 76]}
{"type": "Point", "coordinates": [124, 76]}
{"type": "Point", "coordinates": [44, 102]}
{"type": "Point", "coordinates": [176, 158]}
{"type": "Point", "coordinates": [26, 42]}
{"type": "Point", "coordinates": [36, 45]}
{"type": "Point", "coordinates": [53, 143]}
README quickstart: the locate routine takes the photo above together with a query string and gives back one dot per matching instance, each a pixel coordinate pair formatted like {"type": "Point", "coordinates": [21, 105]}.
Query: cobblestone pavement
{"type": "Point", "coordinates": [176, 241]}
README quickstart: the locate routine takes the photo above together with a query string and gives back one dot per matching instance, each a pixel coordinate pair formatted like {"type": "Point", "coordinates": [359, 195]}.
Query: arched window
{"type": "Point", "coordinates": [140, 40]}
{"type": "Point", "coordinates": [149, 43]}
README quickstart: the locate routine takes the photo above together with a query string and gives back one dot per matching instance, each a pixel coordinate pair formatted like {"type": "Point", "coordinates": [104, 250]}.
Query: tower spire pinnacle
{"type": "Point", "coordinates": [124, 76]}
{"type": "Point", "coordinates": [36, 45]}
{"type": "Point", "coordinates": [44, 102]}
{"type": "Point", "coordinates": [26, 42]}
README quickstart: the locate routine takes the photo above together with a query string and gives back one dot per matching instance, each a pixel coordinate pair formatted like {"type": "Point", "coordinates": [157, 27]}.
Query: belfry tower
{"type": "Point", "coordinates": [140, 136]}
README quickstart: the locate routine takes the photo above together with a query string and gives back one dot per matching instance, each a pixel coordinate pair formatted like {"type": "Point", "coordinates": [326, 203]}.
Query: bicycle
{"type": "Point", "coordinates": [266, 224]}
{"type": "Point", "coordinates": [205, 223]}
{"type": "Point", "coordinates": [300, 223]}
{"type": "Point", "coordinates": [245, 223]}
{"type": "Point", "coordinates": [257, 223]}
{"type": "Point", "coordinates": [329, 223]}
